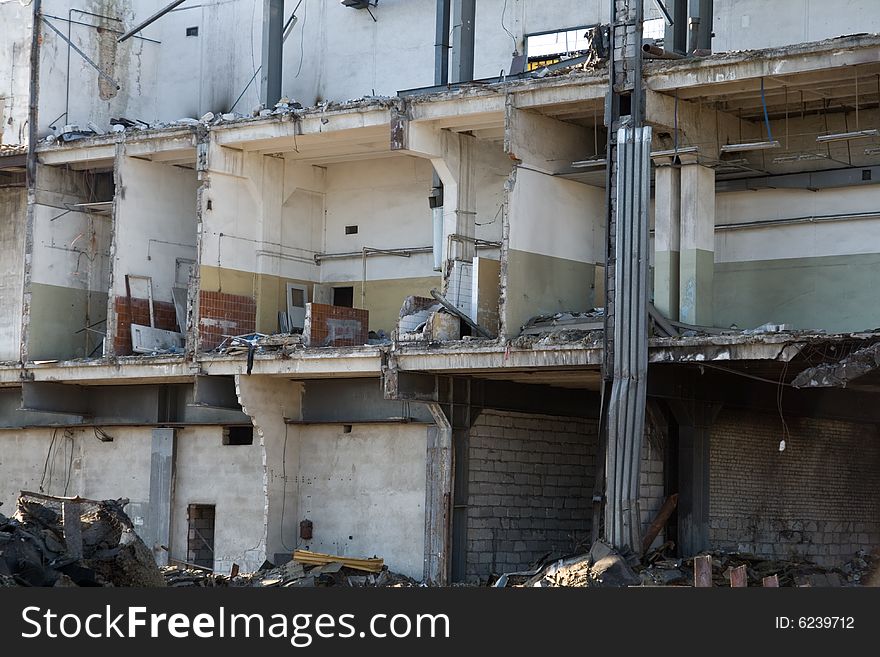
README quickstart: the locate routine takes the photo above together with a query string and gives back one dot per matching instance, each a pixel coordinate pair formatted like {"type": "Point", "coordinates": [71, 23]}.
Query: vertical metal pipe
{"type": "Point", "coordinates": [273, 35]}
{"type": "Point", "coordinates": [464, 14]}
{"type": "Point", "coordinates": [441, 44]}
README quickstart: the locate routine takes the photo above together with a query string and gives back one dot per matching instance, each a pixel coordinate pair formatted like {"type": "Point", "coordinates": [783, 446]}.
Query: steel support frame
{"type": "Point", "coordinates": [626, 316]}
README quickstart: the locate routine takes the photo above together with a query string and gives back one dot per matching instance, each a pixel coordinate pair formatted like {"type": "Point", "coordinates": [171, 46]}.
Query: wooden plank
{"type": "Point", "coordinates": [659, 521]}
{"type": "Point", "coordinates": [371, 565]}
{"type": "Point", "coordinates": [703, 571]}
{"type": "Point", "coordinates": [739, 578]}
{"type": "Point", "coordinates": [771, 582]}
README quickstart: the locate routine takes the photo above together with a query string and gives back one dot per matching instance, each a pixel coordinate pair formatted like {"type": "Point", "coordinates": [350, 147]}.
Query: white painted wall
{"type": "Point", "coordinates": [231, 227]}
{"type": "Point", "coordinates": [178, 77]}
{"type": "Point", "coordinates": [807, 240]}
{"type": "Point", "coordinates": [229, 477]}
{"type": "Point", "coordinates": [750, 24]}
{"type": "Point", "coordinates": [556, 217]}
{"type": "Point", "coordinates": [15, 47]}
{"type": "Point", "coordinates": [388, 200]}
{"type": "Point", "coordinates": [333, 53]}
{"type": "Point", "coordinates": [365, 492]}
{"type": "Point", "coordinates": [13, 208]}
{"type": "Point", "coordinates": [207, 472]}
{"type": "Point", "coordinates": [155, 223]}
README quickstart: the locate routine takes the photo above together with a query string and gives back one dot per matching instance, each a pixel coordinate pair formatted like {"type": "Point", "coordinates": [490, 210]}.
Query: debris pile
{"type": "Point", "coordinates": [302, 572]}
{"type": "Point", "coordinates": [601, 567]}
{"type": "Point", "coordinates": [53, 541]}
{"type": "Point", "coordinates": [792, 572]}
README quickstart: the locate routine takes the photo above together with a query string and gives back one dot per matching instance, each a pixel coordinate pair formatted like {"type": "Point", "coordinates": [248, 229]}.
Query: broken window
{"type": "Point", "coordinates": [200, 535]}
{"type": "Point", "coordinates": [545, 48]}
{"type": "Point", "coordinates": [243, 435]}
{"type": "Point", "coordinates": [343, 296]}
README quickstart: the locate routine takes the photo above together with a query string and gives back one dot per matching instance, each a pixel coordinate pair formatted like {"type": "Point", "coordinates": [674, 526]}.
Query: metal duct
{"type": "Point", "coordinates": [464, 13]}
{"type": "Point", "coordinates": [626, 407]}
{"type": "Point", "coordinates": [441, 44]}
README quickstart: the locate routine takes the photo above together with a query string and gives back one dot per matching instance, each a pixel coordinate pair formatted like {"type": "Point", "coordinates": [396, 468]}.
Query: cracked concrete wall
{"type": "Point", "coordinates": [15, 45]}
{"type": "Point", "coordinates": [162, 73]}
{"type": "Point", "coordinates": [268, 402]}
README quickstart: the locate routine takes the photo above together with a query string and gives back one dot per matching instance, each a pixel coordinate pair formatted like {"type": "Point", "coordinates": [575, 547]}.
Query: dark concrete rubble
{"type": "Point", "coordinates": [52, 541]}
{"type": "Point", "coordinates": [603, 567]}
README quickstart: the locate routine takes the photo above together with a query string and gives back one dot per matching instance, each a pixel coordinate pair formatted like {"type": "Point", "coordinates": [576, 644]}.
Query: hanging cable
{"type": "Point", "coordinates": [504, 27]}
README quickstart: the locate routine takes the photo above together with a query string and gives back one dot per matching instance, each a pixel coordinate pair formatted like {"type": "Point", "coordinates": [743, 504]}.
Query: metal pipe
{"type": "Point", "coordinates": [350, 255]}
{"type": "Point", "coordinates": [152, 19]}
{"type": "Point", "coordinates": [655, 52]}
{"type": "Point", "coordinates": [463, 42]}
{"type": "Point", "coordinates": [441, 44]}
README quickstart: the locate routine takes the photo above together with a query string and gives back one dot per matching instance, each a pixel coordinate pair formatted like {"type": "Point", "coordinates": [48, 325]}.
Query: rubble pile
{"type": "Point", "coordinates": [601, 567]}
{"type": "Point", "coordinates": [39, 548]}
{"type": "Point", "coordinates": [291, 574]}
{"type": "Point", "coordinates": [792, 572]}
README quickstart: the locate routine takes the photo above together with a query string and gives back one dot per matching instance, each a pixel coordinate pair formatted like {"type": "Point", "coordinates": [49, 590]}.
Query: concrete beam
{"type": "Point", "coordinates": [78, 156]}
{"type": "Point", "coordinates": [697, 125]}
{"type": "Point", "coordinates": [338, 124]}
{"type": "Point", "coordinates": [59, 398]}
{"type": "Point", "coordinates": [546, 144]}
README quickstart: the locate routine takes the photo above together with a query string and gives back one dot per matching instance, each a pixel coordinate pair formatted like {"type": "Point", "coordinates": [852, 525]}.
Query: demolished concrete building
{"type": "Point", "coordinates": [243, 320]}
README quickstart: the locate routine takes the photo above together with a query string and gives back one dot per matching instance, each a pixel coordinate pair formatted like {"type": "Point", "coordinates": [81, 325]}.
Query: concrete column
{"type": "Point", "coordinates": [697, 267]}
{"type": "Point", "coordinates": [161, 492]}
{"type": "Point", "coordinates": [694, 420]}
{"type": "Point", "coordinates": [667, 239]}
{"type": "Point", "coordinates": [455, 168]}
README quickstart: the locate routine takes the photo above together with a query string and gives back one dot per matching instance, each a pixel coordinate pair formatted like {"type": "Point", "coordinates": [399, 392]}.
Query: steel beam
{"type": "Point", "coordinates": [273, 37]}
{"type": "Point", "coordinates": [464, 15]}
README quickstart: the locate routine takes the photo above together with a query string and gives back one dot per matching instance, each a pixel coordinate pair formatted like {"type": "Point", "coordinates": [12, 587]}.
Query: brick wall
{"type": "Point", "coordinates": [222, 314]}
{"type": "Point", "coordinates": [200, 535]}
{"type": "Point", "coordinates": [530, 485]}
{"type": "Point", "coordinates": [651, 488]}
{"type": "Point", "coordinates": [137, 311]}
{"type": "Point", "coordinates": [818, 498]}
{"type": "Point", "coordinates": [335, 326]}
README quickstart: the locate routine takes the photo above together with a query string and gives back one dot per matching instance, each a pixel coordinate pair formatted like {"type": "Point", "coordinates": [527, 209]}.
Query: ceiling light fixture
{"type": "Point", "coordinates": [847, 136]}
{"type": "Point", "coordinates": [754, 146]}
